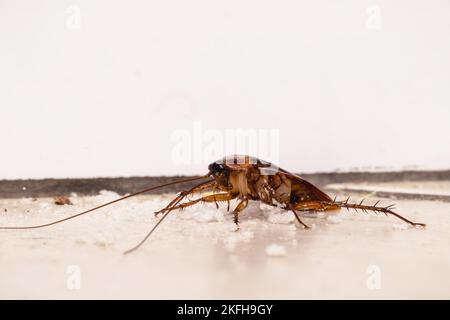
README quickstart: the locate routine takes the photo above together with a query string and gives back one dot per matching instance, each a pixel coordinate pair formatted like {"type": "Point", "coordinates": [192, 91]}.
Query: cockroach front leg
{"type": "Point", "coordinates": [207, 186]}
{"type": "Point", "coordinates": [210, 198]}
{"type": "Point", "coordinates": [241, 206]}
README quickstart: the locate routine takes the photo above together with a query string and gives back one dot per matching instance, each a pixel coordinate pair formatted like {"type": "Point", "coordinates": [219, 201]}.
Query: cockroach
{"type": "Point", "coordinates": [247, 178]}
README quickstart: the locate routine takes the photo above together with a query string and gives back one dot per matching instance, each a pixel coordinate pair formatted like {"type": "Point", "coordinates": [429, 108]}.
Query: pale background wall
{"type": "Point", "coordinates": [348, 84]}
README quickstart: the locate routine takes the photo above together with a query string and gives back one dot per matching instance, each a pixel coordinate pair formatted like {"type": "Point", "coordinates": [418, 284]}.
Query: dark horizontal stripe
{"type": "Point", "coordinates": [91, 186]}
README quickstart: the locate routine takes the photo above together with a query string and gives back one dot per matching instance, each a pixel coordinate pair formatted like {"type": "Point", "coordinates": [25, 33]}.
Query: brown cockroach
{"type": "Point", "coordinates": [247, 178]}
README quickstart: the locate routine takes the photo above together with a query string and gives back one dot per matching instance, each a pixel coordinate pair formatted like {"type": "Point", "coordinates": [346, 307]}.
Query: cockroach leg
{"type": "Point", "coordinates": [215, 200]}
{"type": "Point", "coordinates": [299, 220]}
{"type": "Point", "coordinates": [312, 206]}
{"type": "Point", "coordinates": [374, 208]}
{"type": "Point", "coordinates": [315, 205]}
{"type": "Point", "coordinates": [199, 188]}
{"type": "Point", "coordinates": [209, 198]}
{"type": "Point", "coordinates": [241, 206]}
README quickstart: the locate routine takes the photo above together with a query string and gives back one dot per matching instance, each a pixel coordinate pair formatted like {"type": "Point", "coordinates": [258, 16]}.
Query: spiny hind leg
{"type": "Point", "coordinates": [209, 198]}
{"type": "Point", "coordinates": [374, 208]}
{"type": "Point", "coordinates": [309, 206]}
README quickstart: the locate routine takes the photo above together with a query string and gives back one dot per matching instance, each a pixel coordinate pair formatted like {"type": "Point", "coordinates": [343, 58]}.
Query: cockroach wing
{"type": "Point", "coordinates": [301, 189]}
{"type": "Point", "coordinates": [236, 162]}
{"type": "Point", "coordinates": [305, 189]}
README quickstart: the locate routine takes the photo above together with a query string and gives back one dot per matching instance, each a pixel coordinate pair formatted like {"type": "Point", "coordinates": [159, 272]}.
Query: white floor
{"type": "Point", "coordinates": [197, 254]}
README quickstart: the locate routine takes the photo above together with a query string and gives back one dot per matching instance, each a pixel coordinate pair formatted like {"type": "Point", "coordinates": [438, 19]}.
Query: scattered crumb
{"type": "Point", "coordinates": [236, 237]}
{"type": "Point", "coordinates": [105, 195]}
{"type": "Point", "coordinates": [6, 210]}
{"type": "Point", "coordinates": [62, 200]}
{"type": "Point", "coordinates": [334, 219]}
{"type": "Point", "coordinates": [24, 188]}
{"type": "Point", "coordinates": [280, 217]}
{"type": "Point", "coordinates": [264, 206]}
{"type": "Point", "coordinates": [276, 250]}
{"type": "Point", "coordinates": [399, 226]}
{"type": "Point", "coordinates": [209, 216]}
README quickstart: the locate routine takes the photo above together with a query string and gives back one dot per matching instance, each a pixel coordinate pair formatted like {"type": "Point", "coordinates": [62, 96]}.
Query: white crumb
{"type": "Point", "coordinates": [44, 205]}
{"type": "Point", "coordinates": [278, 216]}
{"type": "Point", "coordinates": [334, 219]}
{"type": "Point", "coordinates": [235, 237]}
{"type": "Point", "coordinates": [399, 226]}
{"type": "Point", "coordinates": [105, 195]}
{"type": "Point", "coordinates": [239, 236]}
{"type": "Point", "coordinates": [313, 214]}
{"type": "Point", "coordinates": [276, 250]}
{"type": "Point", "coordinates": [209, 216]}
{"type": "Point", "coordinates": [265, 207]}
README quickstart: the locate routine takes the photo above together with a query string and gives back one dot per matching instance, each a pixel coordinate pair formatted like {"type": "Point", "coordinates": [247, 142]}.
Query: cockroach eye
{"type": "Point", "coordinates": [215, 168]}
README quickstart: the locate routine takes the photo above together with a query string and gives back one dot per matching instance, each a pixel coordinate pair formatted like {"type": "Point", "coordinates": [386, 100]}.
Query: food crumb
{"type": "Point", "coordinates": [62, 200]}
{"type": "Point", "coordinates": [334, 219]}
{"type": "Point", "coordinates": [275, 250]}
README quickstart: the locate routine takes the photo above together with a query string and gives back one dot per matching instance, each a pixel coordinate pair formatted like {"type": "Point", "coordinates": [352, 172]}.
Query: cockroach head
{"type": "Point", "coordinates": [217, 169]}
{"type": "Point", "coordinates": [220, 172]}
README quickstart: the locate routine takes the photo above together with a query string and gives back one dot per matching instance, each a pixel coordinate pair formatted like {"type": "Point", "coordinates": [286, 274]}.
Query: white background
{"type": "Point", "coordinates": [345, 88]}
